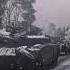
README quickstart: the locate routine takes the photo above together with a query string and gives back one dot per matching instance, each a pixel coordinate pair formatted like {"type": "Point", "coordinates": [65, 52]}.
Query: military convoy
{"type": "Point", "coordinates": [28, 53]}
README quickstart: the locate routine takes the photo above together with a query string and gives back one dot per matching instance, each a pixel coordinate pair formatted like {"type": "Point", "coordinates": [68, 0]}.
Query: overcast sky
{"type": "Point", "coordinates": [56, 11]}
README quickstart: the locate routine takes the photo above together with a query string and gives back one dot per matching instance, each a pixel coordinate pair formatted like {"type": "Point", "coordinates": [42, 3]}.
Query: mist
{"type": "Point", "coordinates": [52, 11]}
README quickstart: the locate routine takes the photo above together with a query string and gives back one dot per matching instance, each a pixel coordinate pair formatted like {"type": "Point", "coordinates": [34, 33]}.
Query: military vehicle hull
{"type": "Point", "coordinates": [34, 58]}
{"type": "Point", "coordinates": [50, 54]}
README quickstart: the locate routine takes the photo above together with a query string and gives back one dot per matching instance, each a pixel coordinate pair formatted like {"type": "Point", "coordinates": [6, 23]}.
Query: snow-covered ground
{"type": "Point", "coordinates": [63, 63]}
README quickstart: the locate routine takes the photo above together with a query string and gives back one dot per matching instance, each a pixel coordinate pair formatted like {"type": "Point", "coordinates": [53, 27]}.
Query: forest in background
{"type": "Point", "coordinates": [18, 16]}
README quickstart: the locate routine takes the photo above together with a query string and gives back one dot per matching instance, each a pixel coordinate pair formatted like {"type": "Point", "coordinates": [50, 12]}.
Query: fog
{"type": "Point", "coordinates": [52, 11]}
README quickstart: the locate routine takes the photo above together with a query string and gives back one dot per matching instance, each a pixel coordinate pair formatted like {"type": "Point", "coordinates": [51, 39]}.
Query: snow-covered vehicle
{"type": "Point", "coordinates": [9, 41]}
{"type": "Point", "coordinates": [34, 53]}
{"type": "Point", "coordinates": [42, 55]}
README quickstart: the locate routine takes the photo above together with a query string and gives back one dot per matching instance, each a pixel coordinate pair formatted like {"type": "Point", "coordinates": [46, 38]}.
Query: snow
{"type": "Point", "coordinates": [37, 45]}
{"type": "Point", "coordinates": [40, 36]}
{"type": "Point", "coordinates": [3, 32]}
{"type": "Point", "coordinates": [33, 49]}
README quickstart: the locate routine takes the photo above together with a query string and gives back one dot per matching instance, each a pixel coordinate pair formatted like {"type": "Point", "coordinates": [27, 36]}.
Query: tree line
{"type": "Point", "coordinates": [24, 9]}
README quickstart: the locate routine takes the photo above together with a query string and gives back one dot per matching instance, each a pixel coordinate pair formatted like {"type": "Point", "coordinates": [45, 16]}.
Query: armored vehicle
{"type": "Point", "coordinates": [34, 53]}
{"type": "Point", "coordinates": [8, 41]}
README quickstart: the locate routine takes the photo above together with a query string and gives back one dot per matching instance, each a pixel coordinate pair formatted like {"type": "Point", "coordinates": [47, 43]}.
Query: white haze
{"type": "Point", "coordinates": [52, 11]}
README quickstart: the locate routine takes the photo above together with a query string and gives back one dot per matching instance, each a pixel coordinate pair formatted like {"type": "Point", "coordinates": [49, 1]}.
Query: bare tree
{"type": "Point", "coordinates": [29, 14]}
{"type": "Point", "coordinates": [2, 7]}
{"type": "Point", "coordinates": [23, 9]}
{"type": "Point", "coordinates": [52, 29]}
{"type": "Point", "coordinates": [61, 33]}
